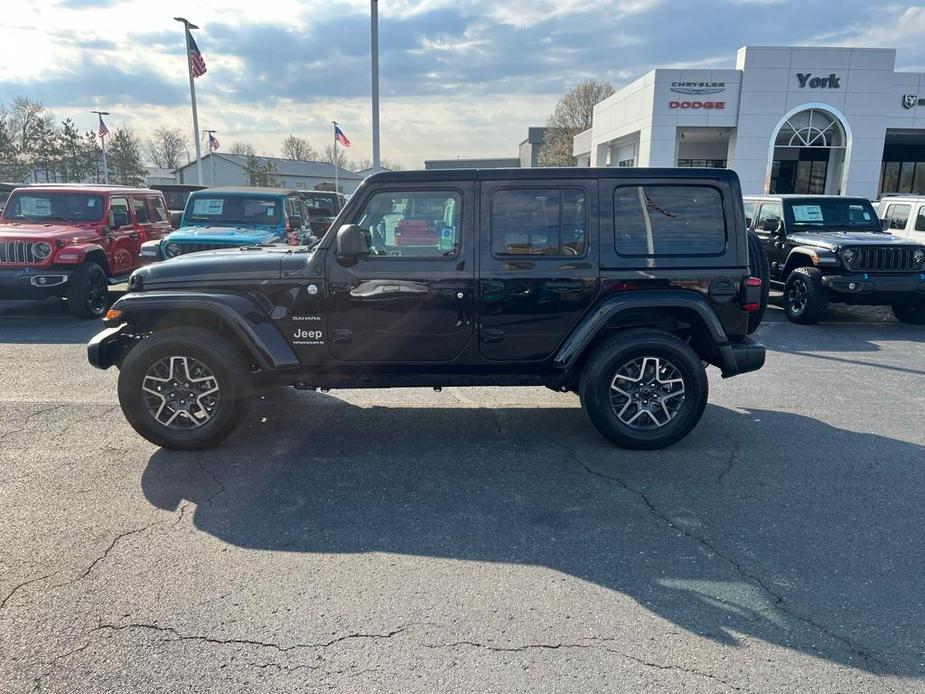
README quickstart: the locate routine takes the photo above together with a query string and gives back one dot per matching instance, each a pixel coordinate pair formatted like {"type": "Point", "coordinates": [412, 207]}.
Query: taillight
{"type": "Point", "coordinates": [751, 294]}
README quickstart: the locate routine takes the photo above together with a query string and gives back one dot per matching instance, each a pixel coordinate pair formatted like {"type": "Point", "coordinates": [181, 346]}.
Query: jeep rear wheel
{"type": "Point", "coordinates": [184, 388]}
{"type": "Point", "coordinates": [910, 313]}
{"type": "Point", "coordinates": [805, 298]}
{"type": "Point", "coordinates": [644, 389]}
{"type": "Point", "coordinates": [88, 291]}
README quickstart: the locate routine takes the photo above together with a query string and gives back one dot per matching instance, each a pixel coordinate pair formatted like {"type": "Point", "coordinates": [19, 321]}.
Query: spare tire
{"type": "Point", "coordinates": [759, 267]}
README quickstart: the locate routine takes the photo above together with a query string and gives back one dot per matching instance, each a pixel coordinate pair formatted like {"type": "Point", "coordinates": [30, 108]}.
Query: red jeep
{"type": "Point", "coordinates": [74, 241]}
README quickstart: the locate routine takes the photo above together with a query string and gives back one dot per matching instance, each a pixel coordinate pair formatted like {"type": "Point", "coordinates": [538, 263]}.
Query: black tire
{"type": "Point", "coordinates": [910, 313]}
{"type": "Point", "coordinates": [219, 355]}
{"type": "Point", "coordinates": [631, 350]}
{"type": "Point", "coordinates": [88, 291]}
{"type": "Point", "coordinates": [759, 267]}
{"type": "Point", "coordinates": [805, 299]}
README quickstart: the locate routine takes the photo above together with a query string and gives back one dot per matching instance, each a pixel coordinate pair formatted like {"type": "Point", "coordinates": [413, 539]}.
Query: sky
{"type": "Point", "coordinates": [459, 78]}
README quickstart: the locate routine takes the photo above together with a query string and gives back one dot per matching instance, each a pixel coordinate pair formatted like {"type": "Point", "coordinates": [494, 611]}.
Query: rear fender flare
{"type": "Point", "coordinates": [593, 322]}
{"type": "Point", "coordinates": [250, 323]}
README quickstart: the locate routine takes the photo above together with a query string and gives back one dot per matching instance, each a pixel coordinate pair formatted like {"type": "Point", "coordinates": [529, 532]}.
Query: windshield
{"type": "Point", "coordinates": [63, 206]}
{"type": "Point", "coordinates": [854, 214]}
{"type": "Point", "coordinates": [321, 204]}
{"type": "Point", "coordinates": [233, 209]}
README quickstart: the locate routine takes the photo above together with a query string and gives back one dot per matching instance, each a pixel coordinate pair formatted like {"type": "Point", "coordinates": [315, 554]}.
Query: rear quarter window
{"type": "Point", "coordinates": [669, 220]}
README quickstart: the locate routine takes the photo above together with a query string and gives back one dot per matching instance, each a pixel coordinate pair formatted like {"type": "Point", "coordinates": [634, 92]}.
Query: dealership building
{"type": "Point", "coordinates": [787, 120]}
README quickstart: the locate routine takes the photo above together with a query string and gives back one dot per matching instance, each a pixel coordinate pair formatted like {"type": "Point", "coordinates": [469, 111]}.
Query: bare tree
{"type": "Point", "coordinates": [573, 114]}
{"type": "Point", "coordinates": [364, 164]}
{"type": "Point", "coordinates": [298, 149]}
{"type": "Point", "coordinates": [26, 117]}
{"type": "Point", "coordinates": [334, 154]}
{"type": "Point", "coordinates": [167, 148]}
{"type": "Point", "coordinates": [243, 148]}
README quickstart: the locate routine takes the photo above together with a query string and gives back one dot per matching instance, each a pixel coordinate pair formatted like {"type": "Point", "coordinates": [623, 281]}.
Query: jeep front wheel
{"type": "Point", "coordinates": [644, 389]}
{"type": "Point", "coordinates": [805, 298]}
{"type": "Point", "coordinates": [88, 291]}
{"type": "Point", "coordinates": [184, 388]}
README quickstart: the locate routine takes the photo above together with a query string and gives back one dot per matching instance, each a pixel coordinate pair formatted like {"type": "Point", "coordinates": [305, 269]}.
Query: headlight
{"type": "Point", "coordinates": [172, 250]}
{"type": "Point", "coordinates": [41, 250]}
{"type": "Point", "coordinates": [849, 254]}
{"type": "Point", "coordinates": [919, 256]}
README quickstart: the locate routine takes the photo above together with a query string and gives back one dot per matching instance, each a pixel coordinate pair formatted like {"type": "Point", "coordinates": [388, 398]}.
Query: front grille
{"type": "Point", "coordinates": [885, 259]}
{"type": "Point", "coordinates": [196, 247]}
{"type": "Point", "coordinates": [19, 252]}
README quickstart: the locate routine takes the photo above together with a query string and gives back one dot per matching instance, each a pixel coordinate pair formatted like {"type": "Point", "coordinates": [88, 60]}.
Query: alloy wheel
{"type": "Point", "coordinates": [180, 392]}
{"type": "Point", "coordinates": [796, 297]}
{"type": "Point", "coordinates": [647, 393]}
{"type": "Point", "coordinates": [97, 293]}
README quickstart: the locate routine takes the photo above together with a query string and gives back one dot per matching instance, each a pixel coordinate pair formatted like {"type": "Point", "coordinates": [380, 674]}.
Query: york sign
{"type": "Point", "coordinates": [806, 79]}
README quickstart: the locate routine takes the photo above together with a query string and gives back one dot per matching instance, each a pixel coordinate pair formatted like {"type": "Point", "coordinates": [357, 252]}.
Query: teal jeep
{"type": "Point", "coordinates": [232, 217]}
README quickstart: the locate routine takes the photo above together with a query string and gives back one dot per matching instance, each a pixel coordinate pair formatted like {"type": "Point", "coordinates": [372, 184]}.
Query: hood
{"type": "Point", "coordinates": [222, 266]}
{"type": "Point", "coordinates": [68, 233]}
{"type": "Point", "coordinates": [833, 240]}
{"type": "Point", "coordinates": [237, 235]}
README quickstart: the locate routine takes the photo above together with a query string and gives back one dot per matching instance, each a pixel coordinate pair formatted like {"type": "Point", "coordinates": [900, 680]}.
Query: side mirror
{"type": "Point", "coordinates": [352, 242]}
{"type": "Point", "coordinates": [748, 222]}
{"type": "Point", "coordinates": [772, 226]}
{"type": "Point", "coordinates": [885, 224]}
{"type": "Point", "coordinates": [175, 218]}
{"type": "Point", "coordinates": [295, 222]}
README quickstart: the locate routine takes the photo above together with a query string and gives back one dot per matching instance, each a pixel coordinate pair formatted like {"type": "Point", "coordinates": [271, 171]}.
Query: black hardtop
{"type": "Point", "coordinates": [574, 172]}
{"type": "Point", "coordinates": [247, 190]}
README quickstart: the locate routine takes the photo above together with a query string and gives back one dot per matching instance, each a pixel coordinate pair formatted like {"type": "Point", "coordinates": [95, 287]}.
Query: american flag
{"type": "Point", "coordinates": [214, 144]}
{"type": "Point", "coordinates": [196, 62]}
{"type": "Point", "coordinates": [340, 137]}
{"type": "Point", "coordinates": [104, 131]}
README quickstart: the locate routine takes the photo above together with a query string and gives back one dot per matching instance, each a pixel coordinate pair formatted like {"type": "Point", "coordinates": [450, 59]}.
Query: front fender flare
{"type": "Point", "coordinates": [585, 332]}
{"type": "Point", "coordinates": [76, 254]}
{"type": "Point", "coordinates": [251, 323]}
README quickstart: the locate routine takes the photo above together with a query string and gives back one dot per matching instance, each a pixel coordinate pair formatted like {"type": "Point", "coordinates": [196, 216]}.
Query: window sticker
{"type": "Point", "coordinates": [36, 207]}
{"type": "Point", "coordinates": [207, 206]}
{"type": "Point", "coordinates": [91, 202]}
{"type": "Point", "coordinates": [807, 213]}
{"type": "Point", "coordinates": [447, 238]}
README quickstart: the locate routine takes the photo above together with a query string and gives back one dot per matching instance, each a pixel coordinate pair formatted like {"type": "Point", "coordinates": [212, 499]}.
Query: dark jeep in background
{"type": "Point", "coordinates": [618, 284]}
{"type": "Point", "coordinates": [828, 248]}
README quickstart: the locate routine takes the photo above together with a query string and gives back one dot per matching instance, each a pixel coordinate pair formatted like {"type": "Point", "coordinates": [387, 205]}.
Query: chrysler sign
{"type": "Point", "coordinates": [699, 88]}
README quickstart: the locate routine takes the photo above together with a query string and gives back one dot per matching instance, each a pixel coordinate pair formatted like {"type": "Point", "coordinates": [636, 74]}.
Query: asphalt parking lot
{"type": "Point", "coordinates": [474, 540]}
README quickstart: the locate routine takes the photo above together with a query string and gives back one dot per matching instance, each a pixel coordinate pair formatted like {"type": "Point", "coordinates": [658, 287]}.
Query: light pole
{"type": "Point", "coordinates": [187, 25]}
{"type": "Point", "coordinates": [103, 131]}
{"type": "Point", "coordinates": [374, 58]}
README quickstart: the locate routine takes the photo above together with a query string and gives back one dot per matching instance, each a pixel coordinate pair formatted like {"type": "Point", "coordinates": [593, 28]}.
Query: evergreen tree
{"type": "Point", "coordinates": [124, 158]}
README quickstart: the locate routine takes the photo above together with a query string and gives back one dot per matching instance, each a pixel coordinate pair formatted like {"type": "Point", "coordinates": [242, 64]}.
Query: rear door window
{"type": "Point", "coordinates": [539, 221]}
{"type": "Point", "coordinates": [160, 210]}
{"type": "Point", "coordinates": [669, 220]}
{"type": "Point", "coordinates": [141, 210]}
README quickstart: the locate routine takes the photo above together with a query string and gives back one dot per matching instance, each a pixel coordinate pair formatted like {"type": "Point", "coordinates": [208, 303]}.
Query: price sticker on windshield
{"type": "Point", "coordinates": [807, 213]}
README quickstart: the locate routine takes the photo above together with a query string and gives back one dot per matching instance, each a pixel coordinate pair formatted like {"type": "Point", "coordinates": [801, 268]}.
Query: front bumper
{"type": "Point", "coordinates": [104, 348]}
{"type": "Point", "coordinates": [855, 287]}
{"type": "Point", "coordinates": [31, 282]}
{"type": "Point", "coordinates": [741, 357]}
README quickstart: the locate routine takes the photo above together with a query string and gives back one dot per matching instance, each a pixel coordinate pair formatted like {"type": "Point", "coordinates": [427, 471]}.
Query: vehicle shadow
{"type": "Point", "coordinates": [44, 322]}
{"type": "Point", "coordinates": [724, 536]}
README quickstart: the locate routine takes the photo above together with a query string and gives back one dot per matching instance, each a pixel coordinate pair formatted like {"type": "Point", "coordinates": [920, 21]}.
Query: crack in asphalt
{"type": "Point", "coordinates": [17, 588]}
{"type": "Point", "coordinates": [559, 646]}
{"type": "Point", "coordinates": [221, 485]}
{"type": "Point", "coordinates": [245, 642]}
{"type": "Point", "coordinates": [778, 599]}
{"type": "Point", "coordinates": [730, 463]}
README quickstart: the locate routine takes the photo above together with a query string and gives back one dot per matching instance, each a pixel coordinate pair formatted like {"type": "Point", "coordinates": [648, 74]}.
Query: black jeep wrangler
{"type": "Point", "coordinates": [618, 284]}
{"type": "Point", "coordinates": [824, 248]}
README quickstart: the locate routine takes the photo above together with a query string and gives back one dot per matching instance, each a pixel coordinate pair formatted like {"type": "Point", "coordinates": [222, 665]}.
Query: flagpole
{"type": "Point", "coordinates": [374, 69]}
{"type": "Point", "coordinates": [211, 154]}
{"type": "Point", "coordinates": [334, 159]}
{"type": "Point", "coordinates": [192, 93]}
{"type": "Point", "coordinates": [103, 145]}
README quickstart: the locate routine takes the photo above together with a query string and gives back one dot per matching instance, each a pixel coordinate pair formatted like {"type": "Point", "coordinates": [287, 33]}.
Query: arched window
{"type": "Point", "coordinates": [810, 128]}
